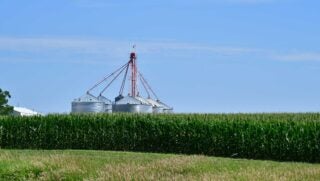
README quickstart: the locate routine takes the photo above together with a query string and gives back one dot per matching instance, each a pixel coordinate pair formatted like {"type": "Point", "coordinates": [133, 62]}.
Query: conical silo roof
{"type": "Point", "coordinates": [130, 100]}
{"type": "Point", "coordinates": [87, 98]}
{"type": "Point", "coordinates": [143, 100]}
{"type": "Point", "coordinates": [104, 99]}
{"type": "Point", "coordinates": [165, 106]}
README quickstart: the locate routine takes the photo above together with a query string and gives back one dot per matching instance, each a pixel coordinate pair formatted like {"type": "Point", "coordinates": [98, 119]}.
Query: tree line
{"type": "Point", "coordinates": [5, 109]}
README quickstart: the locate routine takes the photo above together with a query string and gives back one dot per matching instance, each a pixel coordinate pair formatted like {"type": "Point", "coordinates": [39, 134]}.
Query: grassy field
{"type": "Point", "coordinates": [105, 165]}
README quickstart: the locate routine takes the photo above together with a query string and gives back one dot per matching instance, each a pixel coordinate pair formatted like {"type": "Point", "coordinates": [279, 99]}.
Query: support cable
{"type": "Point", "coordinates": [124, 81]}
{"type": "Point", "coordinates": [145, 81]}
{"type": "Point", "coordinates": [112, 81]}
{"type": "Point", "coordinates": [145, 88]}
{"type": "Point", "coordinates": [107, 77]}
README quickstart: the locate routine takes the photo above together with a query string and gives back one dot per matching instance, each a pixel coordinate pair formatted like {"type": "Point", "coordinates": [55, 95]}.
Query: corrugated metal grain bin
{"type": "Point", "coordinates": [132, 105]}
{"type": "Point", "coordinates": [107, 105]}
{"type": "Point", "coordinates": [166, 108]}
{"type": "Point", "coordinates": [87, 104]}
{"type": "Point", "coordinates": [156, 107]}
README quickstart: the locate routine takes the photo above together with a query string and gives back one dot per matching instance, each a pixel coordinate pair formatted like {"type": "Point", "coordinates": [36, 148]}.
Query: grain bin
{"type": "Point", "coordinates": [87, 104]}
{"type": "Point", "coordinates": [156, 107]}
{"type": "Point", "coordinates": [107, 104]}
{"type": "Point", "coordinates": [166, 108]}
{"type": "Point", "coordinates": [132, 105]}
{"type": "Point", "coordinates": [159, 107]}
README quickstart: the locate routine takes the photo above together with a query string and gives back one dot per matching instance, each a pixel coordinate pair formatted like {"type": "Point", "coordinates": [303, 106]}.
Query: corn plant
{"type": "Point", "coordinates": [285, 137]}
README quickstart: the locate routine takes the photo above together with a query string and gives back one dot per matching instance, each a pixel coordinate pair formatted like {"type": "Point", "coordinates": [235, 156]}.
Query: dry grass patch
{"type": "Point", "coordinates": [104, 165]}
{"type": "Point", "coordinates": [164, 169]}
{"type": "Point", "coordinates": [206, 168]}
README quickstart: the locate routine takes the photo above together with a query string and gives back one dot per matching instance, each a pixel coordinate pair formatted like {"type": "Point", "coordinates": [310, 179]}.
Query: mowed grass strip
{"type": "Point", "coordinates": [106, 165]}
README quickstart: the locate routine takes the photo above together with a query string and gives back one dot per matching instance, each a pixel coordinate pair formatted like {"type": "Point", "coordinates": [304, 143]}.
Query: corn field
{"type": "Point", "coordinates": [283, 137]}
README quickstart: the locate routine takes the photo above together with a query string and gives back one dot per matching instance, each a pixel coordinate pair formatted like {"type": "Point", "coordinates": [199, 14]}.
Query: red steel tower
{"type": "Point", "coordinates": [133, 65]}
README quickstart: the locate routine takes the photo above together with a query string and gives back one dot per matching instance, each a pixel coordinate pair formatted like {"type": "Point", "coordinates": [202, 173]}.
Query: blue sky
{"type": "Point", "coordinates": [199, 55]}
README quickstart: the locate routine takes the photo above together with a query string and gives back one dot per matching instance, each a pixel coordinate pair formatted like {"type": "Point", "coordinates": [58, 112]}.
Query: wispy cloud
{"type": "Point", "coordinates": [249, 1]}
{"type": "Point", "coordinates": [302, 56]}
{"type": "Point", "coordinates": [93, 50]}
{"type": "Point", "coordinates": [104, 4]}
{"type": "Point", "coordinates": [61, 45]}
{"type": "Point", "coordinates": [95, 3]}
{"type": "Point", "coordinates": [151, 47]}
{"type": "Point", "coordinates": [31, 44]}
{"type": "Point", "coordinates": [110, 47]}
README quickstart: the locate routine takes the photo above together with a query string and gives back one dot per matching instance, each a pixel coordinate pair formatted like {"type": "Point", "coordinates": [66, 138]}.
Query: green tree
{"type": "Point", "coordinates": [5, 109]}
